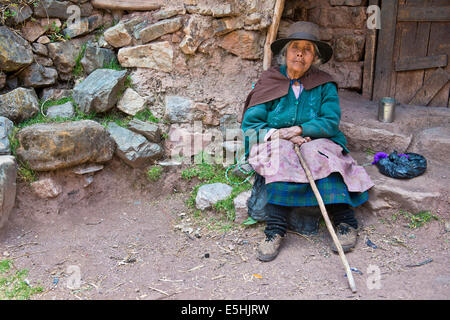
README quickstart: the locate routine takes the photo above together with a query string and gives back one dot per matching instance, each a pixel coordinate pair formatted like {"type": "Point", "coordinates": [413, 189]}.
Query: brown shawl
{"type": "Point", "coordinates": [273, 84]}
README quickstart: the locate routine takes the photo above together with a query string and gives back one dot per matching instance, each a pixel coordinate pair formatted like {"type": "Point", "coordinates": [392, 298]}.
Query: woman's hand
{"type": "Point", "coordinates": [300, 140]}
{"type": "Point", "coordinates": [287, 133]}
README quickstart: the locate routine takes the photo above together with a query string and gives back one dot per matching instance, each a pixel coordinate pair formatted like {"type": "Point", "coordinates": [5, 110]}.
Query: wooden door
{"type": "Point", "coordinates": [413, 50]}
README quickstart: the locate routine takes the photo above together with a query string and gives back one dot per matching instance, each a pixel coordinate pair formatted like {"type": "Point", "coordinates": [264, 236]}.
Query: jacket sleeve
{"type": "Point", "coordinates": [326, 124]}
{"type": "Point", "coordinates": [254, 125]}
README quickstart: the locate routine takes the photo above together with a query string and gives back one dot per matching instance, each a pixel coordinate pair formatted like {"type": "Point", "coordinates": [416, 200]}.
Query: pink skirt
{"type": "Point", "coordinates": [277, 161]}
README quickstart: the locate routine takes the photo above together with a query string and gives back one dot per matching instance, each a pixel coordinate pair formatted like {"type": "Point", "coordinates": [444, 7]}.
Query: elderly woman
{"type": "Point", "coordinates": [295, 103]}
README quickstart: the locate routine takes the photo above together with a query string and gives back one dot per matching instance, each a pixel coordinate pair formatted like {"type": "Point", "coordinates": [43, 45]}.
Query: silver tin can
{"type": "Point", "coordinates": [386, 109]}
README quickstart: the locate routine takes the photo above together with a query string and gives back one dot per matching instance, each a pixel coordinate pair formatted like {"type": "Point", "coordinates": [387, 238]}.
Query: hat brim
{"type": "Point", "coordinates": [325, 50]}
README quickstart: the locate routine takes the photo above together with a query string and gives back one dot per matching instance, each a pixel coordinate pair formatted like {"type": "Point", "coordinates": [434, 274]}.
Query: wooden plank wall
{"type": "Point", "coordinates": [414, 43]}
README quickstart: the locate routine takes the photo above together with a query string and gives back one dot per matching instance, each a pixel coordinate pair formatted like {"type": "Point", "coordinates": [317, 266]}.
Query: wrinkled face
{"type": "Point", "coordinates": [299, 57]}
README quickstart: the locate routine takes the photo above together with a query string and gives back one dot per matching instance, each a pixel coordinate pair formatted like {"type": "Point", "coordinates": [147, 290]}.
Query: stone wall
{"type": "Point", "coordinates": [187, 60]}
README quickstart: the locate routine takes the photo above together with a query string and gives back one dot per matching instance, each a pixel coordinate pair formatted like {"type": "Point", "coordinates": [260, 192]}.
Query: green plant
{"type": "Point", "coordinates": [415, 220]}
{"type": "Point", "coordinates": [146, 115]}
{"type": "Point", "coordinates": [14, 285]}
{"type": "Point", "coordinates": [78, 69]}
{"type": "Point", "coordinates": [25, 173]}
{"type": "Point", "coordinates": [56, 33]}
{"type": "Point", "coordinates": [114, 116]}
{"type": "Point", "coordinates": [154, 173]}
{"type": "Point", "coordinates": [370, 152]}
{"type": "Point", "coordinates": [114, 65]}
{"type": "Point", "coordinates": [128, 82]}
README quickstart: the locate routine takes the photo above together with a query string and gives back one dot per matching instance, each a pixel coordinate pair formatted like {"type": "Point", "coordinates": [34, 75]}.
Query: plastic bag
{"type": "Point", "coordinates": [401, 166]}
{"type": "Point", "coordinates": [258, 199]}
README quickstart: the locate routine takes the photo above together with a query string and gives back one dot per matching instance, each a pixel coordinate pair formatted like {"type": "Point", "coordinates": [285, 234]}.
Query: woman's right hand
{"type": "Point", "coordinates": [300, 140]}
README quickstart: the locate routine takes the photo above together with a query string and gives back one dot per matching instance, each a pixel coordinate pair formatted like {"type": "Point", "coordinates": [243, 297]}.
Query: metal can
{"type": "Point", "coordinates": [386, 110]}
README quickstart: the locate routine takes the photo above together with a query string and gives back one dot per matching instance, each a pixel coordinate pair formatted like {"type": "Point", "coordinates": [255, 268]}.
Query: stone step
{"type": "Point", "coordinates": [414, 128]}
{"type": "Point", "coordinates": [428, 191]}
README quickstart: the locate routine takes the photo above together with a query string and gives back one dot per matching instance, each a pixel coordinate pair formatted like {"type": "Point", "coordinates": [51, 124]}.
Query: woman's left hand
{"type": "Point", "coordinates": [299, 140]}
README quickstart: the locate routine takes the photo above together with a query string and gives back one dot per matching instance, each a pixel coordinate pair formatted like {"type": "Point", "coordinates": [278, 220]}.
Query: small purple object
{"type": "Point", "coordinates": [378, 156]}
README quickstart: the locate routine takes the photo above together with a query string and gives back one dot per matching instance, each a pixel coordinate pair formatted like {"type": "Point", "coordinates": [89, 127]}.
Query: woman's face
{"type": "Point", "coordinates": [299, 57]}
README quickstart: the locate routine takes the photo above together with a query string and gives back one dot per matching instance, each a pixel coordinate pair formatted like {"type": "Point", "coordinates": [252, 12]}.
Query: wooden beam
{"type": "Point", "coordinates": [272, 33]}
{"type": "Point", "coordinates": [369, 59]}
{"type": "Point", "coordinates": [407, 13]}
{"type": "Point", "coordinates": [435, 82]}
{"type": "Point", "coordinates": [418, 63]}
{"type": "Point", "coordinates": [385, 49]}
{"type": "Point", "coordinates": [139, 5]}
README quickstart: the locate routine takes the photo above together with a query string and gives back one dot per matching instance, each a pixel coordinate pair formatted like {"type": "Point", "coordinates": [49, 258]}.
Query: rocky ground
{"type": "Point", "coordinates": [121, 234]}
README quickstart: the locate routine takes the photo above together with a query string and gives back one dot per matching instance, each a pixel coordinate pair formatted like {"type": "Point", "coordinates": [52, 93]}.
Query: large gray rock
{"type": "Point", "coordinates": [65, 110]}
{"type": "Point", "coordinates": [6, 127]}
{"type": "Point", "coordinates": [15, 51]}
{"type": "Point", "coordinates": [97, 58]}
{"type": "Point", "coordinates": [133, 148]}
{"type": "Point", "coordinates": [179, 109]}
{"type": "Point", "coordinates": [51, 146]}
{"type": "Point", "coordinates": [149, 130]}
{"type": "Point", "coordinates": [210, 194]}
{"type": "Point", "coordinates": [99, 91]}
{"type": "Point", "coordinates": [38, 76]}
{"type": "Point", "coordinates": [8, 173]}
{"type": "Point", "coordinates": [19, 104]}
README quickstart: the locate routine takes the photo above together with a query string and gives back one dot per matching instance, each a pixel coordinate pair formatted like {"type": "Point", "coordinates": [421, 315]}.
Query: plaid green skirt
{"type": "Point", "coordinates": [332, 189]}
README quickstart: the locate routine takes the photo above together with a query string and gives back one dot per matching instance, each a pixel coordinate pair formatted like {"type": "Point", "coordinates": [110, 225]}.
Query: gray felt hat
{"type": "Point", "coordinates": [303, 30]}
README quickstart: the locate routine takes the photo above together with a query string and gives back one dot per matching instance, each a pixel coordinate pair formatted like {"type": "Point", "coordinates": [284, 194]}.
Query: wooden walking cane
{"type": "Point", "coordinates": [330, 228]}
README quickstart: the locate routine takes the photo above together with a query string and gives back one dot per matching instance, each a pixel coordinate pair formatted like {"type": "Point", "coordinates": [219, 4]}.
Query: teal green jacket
{"type": "Point", "coordinates": [317, 111]}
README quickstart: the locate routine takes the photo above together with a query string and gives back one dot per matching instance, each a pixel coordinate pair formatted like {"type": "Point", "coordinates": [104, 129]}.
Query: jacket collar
{"type": "Point", "coordinates": [274, 83]}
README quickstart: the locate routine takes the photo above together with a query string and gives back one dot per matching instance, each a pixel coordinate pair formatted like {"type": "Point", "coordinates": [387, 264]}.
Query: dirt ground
{"type": "Point", "coordinates": [120, 235]}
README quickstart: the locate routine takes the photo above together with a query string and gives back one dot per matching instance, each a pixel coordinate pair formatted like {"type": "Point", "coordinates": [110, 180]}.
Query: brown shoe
{"type": "Point", "coordinates": [347, 236]}
{"type": "Point", "coordinates": [268, 248]}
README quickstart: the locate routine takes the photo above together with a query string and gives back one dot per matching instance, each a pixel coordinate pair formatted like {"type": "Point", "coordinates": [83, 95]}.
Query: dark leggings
{"type": "Point", "coordinates": [277, 217]}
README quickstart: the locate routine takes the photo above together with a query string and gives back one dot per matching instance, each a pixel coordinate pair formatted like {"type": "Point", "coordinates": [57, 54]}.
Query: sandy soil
{"type": "Point", "coordinates": [120, 234]}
